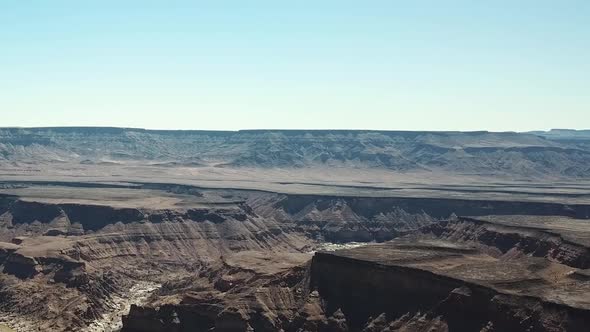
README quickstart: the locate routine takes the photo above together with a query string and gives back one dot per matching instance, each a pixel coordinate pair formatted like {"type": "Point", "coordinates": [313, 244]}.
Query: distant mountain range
{"type": "Point", "coordinates": [559, 152]}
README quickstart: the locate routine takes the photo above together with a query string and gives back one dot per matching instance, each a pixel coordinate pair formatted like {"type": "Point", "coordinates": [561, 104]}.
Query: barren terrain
{"type": "Point", "coordinates": [103, 229]}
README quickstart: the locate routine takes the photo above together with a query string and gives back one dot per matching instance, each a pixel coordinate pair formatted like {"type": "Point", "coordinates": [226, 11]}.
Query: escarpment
{"type": "Point", "coordinates": [512, 240]}
{"type": "Point", "coordinates": [302, 207]}
{"type": "Point", "coordinates": [416, 286]}
{"type": "Point", "coordinates": [365, 219]}
{"type": "Point", "coordinates": [499, 154]}
{"type": "Point", "coordinates": [93, 217]}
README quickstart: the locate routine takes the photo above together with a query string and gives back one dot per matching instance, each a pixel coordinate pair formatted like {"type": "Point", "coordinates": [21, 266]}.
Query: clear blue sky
{"type": "Point", "coordinates": [432, 65]}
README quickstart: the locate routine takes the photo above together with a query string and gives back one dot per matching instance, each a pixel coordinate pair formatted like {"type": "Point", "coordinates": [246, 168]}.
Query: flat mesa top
{"type": "Point", "coordinates": [118, 197]}
{"type": "Point", "coordinates": [525, 276]}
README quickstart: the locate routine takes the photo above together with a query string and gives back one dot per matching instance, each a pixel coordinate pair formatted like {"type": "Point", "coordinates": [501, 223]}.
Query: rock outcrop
{"type": "Point", "coordinates": [513, 241]}
{"type": "Point", "coordinates": [397, 286]}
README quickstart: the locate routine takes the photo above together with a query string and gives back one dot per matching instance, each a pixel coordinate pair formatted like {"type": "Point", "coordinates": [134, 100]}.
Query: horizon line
{"type": "Point", "coordinates": [291, 130]}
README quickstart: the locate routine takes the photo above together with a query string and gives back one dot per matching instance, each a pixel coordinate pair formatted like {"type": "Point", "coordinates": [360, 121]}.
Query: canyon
{"type": "Point", "coordinates": [114, 229]}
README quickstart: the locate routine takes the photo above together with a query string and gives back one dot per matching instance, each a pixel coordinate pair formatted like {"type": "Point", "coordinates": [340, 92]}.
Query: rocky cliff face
{"type": "Point", "coordinates": [239, 295]}
{"type": "Point", "coordinates": [392, 298]}
{"type": "Point", "coordinates": [513, 240]}
{"type": "Point", "coordinates": [365, 219]}
{"type": "Point", "coordinates": [340, 219]}
{"type": "Point", "coordinates": [405, 286]}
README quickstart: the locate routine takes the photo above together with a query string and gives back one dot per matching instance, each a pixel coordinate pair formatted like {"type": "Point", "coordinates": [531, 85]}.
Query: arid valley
{"type": "Point", "coordinates": [113, 229]}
